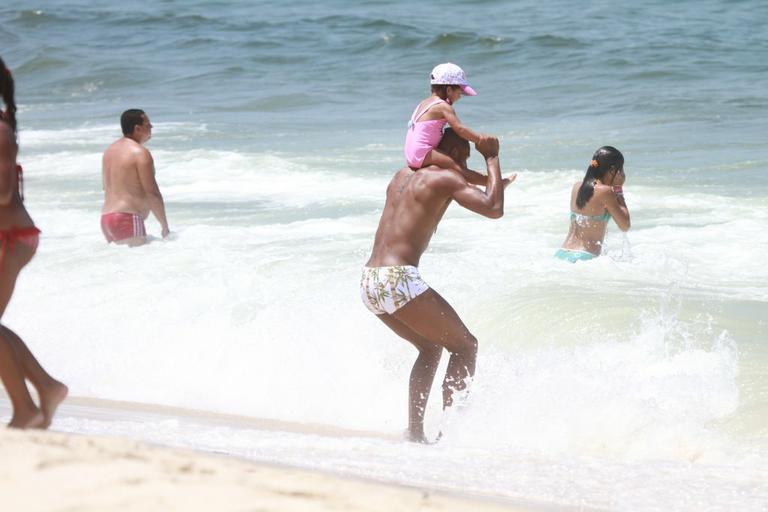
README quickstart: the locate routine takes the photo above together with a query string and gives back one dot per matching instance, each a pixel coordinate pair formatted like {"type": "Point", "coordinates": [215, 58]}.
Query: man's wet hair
{"type": "Point", "coordinates": [451, 140]}
{"type": "Point", "coordinates": [130, 119]}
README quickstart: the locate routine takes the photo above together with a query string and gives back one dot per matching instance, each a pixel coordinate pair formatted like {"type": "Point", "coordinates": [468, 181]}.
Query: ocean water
{"type": "Point", "coordinates": [634, 382]}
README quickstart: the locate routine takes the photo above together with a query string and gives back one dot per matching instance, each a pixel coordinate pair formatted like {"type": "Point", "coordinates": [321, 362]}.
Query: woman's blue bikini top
{"type": "Point", "coordinates": [579, 218]}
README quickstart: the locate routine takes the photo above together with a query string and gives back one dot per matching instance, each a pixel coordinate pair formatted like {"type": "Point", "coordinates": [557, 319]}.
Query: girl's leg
{"type": "Point", "coordinates": [25, 412]}
{"type": "Point", "coordinates": [439, 159]}
{"type": "Point", "coordinates": [50, 391]}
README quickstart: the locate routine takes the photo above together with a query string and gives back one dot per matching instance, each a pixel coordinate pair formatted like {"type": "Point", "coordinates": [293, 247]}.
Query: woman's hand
{"type": "Point", "coordinates": [619, 178]}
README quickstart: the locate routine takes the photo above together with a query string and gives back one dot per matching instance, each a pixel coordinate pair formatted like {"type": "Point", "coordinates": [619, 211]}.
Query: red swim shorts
{"type": "Point", "coordinates": [118, 226]}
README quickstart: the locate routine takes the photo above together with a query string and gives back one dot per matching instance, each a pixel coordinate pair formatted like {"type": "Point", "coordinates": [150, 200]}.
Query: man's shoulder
{"type": "Point", "coordinates": [431, 175]}
{"type": "Point", "coordinates": [439, 177]}
{"type": "Point", "coordinates": [127, 148]}
{"type": "Point", "coordinates": [435, 182]}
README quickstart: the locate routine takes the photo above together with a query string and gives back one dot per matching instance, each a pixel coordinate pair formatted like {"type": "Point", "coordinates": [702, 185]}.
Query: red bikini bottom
{"type": "Point", "coordinates": [29, 236]}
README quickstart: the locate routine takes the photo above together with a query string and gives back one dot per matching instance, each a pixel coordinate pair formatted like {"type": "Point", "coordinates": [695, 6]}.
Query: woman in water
{"type": "Point", "coordinates": [594, 201]}
{"type": "Point", "coordinates": [18, 243]}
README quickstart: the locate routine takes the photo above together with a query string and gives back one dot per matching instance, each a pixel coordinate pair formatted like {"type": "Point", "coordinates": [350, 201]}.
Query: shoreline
{"type": "Point", "coordinates": [95, 472]}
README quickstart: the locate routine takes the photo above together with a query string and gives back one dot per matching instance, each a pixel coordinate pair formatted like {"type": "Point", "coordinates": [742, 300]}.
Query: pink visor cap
{"type": "Point", "coordinates": [451, 74]}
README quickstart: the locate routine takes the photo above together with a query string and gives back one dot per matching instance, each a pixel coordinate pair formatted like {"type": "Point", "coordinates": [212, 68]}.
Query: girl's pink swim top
{"type": "Point", "coordinates": [422, 136]}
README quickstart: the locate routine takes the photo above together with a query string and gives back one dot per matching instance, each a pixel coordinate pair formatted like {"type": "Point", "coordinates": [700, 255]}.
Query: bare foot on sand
{"type": "Point", "coordinates": [31, 419]}
{"type": "Point", "coordinates": [50, 399]}
{"type": "Point", "coordinates": [420, 437]}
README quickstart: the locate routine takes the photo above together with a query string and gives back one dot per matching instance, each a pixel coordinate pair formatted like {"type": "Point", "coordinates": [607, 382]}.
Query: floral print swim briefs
{"type": "Point", "coordinates": [387, 289]}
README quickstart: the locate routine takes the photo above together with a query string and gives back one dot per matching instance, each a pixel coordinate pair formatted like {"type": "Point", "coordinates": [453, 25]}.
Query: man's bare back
{"type": "Point", "coordinates": [414, 206]}
{"type": "Point", "coordinates": [130, 188]}
{"type": "Point", "coordinates": [123, 190]}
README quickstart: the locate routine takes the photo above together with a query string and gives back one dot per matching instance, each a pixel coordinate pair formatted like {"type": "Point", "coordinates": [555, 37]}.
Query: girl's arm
{"type": "Point", "coordinates": [462, 131]}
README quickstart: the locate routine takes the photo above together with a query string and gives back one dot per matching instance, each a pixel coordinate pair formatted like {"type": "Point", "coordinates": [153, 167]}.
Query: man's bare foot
{"type": "Point", "coordinates": [419, 437]}
{"type": "Point", "coordinates": [50, 399]}
{"type": "Point", "coordinates": [31, 419]}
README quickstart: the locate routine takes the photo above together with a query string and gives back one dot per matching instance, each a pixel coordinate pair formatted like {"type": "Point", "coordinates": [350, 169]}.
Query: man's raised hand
{"type": "Point", "coordinates": [488, 146]}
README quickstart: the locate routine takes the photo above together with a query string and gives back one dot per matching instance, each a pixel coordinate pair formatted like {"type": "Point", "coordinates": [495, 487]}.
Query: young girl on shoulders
{"type": "Point", "coordinates": [425, 129]}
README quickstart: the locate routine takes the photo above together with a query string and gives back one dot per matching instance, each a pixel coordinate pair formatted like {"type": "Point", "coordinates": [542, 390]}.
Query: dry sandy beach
{"type": "Point", "coordinates": [53, 471]}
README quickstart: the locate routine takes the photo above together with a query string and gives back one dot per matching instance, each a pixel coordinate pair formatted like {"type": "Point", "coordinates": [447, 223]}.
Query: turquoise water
{"type": "Point", "coordinates": [277, 128]}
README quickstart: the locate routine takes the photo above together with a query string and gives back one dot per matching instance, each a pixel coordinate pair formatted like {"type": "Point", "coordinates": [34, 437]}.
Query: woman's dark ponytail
{"type": "Point", "coordinates": [587, 187]}
{"type": "Point", "coordinates": [7, 91]}
{"type": "Point", "coordinates": [604, 159]}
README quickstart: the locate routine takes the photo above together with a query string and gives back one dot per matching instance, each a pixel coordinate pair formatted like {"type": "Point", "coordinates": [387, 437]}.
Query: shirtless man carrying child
{"type": "Point", "coordinates": [391, 286]}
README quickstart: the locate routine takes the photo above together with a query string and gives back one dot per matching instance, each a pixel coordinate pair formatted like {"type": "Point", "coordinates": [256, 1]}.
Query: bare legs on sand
{"type": "Point", "coordinates": [431, 324]}
{"type": "Point", "coordinates": [17, 364]}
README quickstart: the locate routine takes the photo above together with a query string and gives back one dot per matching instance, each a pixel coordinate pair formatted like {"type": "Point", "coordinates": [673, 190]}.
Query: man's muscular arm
{"type": "Point", "coordinates": [489, 203]}
{"type": "Point", "coordinates": [475, 178]}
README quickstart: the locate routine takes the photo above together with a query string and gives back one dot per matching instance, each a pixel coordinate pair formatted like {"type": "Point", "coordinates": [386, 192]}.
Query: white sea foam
{"type": "Point", "coordinates": [610, 369]}
{"type": "Point", "coordinates": [635, 382]}
{"type": "Point", "coordinates": [98, 135]}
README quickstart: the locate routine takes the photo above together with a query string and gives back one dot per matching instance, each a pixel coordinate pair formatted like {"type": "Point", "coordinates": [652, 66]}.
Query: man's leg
{"type": "Point", "coordinates": [422, 375]}
{"type": "Point", "coordinates": [431, 317]}
{"type": "Point", "coordinates": [135, 241]}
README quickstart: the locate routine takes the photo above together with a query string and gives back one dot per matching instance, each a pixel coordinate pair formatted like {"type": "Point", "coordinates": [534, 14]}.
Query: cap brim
{"type": "Point", "coordinates": [468, 90]}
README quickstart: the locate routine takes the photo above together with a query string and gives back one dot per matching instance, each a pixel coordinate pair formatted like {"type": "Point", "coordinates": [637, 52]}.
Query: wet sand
{"type": "Point", "coordinates": [54, 471]}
